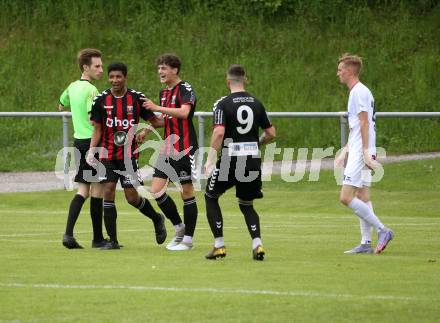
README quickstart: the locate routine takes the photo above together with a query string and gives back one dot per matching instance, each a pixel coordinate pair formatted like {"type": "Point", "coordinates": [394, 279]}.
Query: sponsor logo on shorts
{"type": "Point", "coordinates": [347, 178]}
{"type": "Point", "coordinates": [127, 180]}
{"type": "Point", "coordinates": [183, 175]}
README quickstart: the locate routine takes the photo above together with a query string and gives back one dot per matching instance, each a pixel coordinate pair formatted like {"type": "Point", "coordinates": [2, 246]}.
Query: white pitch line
{"type": "Point", "coordinates": [310, 294]}
{"type": "Point", "coordinates": [230, 215]}
{"type": "Point", "coordinates": [52, 212]}
{"type": "Point", "coordinates": [277, 226]}
{"type": "Point", "coordinates": [29, 240]}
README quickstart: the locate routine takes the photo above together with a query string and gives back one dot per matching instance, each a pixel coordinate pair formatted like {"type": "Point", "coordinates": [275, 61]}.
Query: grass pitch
{"type": "Point", "coordinates": [305, 276]}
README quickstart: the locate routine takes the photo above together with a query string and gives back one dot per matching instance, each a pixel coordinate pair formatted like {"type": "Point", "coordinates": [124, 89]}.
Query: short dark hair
{"type": "Point", "coordinates": [117, 66]}
{"type": "Point", "coordinates": [171, 60]}
{"type": "Point", "coordinates": [85, 57]}
{"type": "Point", "coordinates": [236, 73]}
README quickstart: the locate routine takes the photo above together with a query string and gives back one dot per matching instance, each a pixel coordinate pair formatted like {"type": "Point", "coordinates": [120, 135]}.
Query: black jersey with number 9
{"type": "Point", "coordinates": [242, 115]}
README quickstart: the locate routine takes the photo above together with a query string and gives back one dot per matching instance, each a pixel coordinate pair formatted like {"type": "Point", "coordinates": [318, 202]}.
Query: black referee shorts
{"type": "Point", "coordinates": [84, 172]}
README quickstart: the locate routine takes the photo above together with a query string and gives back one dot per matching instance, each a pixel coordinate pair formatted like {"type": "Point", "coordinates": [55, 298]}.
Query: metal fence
{"type": "Point", "coordinates": [201, 116]}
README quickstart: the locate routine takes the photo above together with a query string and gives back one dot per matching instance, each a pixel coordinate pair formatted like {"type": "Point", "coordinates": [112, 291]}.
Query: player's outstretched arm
{"type": "Point", "coordinates": [181, 113]}
{"type": "Point", "coordinates": [156, 122]}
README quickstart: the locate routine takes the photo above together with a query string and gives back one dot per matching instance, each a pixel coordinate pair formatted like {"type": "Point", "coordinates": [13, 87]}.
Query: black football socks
{"type": "Point", "coordinates": [190, 212]}
{"type": "Point", "coordinates": [110, 216]}
{"type": "Point", "coordinates": [147, 209]}
{"type": "Point", "coordinates": [214, 215]}
{"type": "Point", "coordinates": [96, 216]}
{"type": "Point", "coordinates": [74, 210]}
{"type": "Point", "coordinates": [169, 209]}
{"type": "Point", "coordinates": [251, 217]}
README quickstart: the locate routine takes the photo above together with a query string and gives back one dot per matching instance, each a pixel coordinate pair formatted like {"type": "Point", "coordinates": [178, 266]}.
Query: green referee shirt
{"type": "Point", "coordinates": [79, 97]}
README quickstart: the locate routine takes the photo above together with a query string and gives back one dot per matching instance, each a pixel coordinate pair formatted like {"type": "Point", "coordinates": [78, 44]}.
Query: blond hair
{"type": "Point", "coordinates": [353, 61]}
{"type": "Point", "coordinates": [85, 57]}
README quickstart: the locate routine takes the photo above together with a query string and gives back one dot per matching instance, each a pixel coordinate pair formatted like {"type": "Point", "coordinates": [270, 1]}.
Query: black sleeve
{"type": "Point", "coordinates": [264, 119]}
{"type": "Point", "coordinates": [219, 116]}
{"type": "Point", "coordinates": [96, 114]}
{"type": "Point", "coordinates": [144, 113]}
{"type": "Point", "coordinates": [187, 93]}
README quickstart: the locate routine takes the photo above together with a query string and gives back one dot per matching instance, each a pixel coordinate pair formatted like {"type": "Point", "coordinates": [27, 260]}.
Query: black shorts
{"type": "Point", "coordinates": [84, 172]}
{"type": "Point", "coordinates": [129, 175]}
{"type": "Point", "coordinates": [242, 172]}
{"type": "Point", "coordinates": [182, 170]}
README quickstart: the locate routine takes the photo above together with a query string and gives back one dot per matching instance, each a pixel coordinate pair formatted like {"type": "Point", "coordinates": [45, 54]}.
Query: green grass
{"type": "Point", "coordinates": [305, 276]}
{"type": "Point", "coordinates": [289, 49]}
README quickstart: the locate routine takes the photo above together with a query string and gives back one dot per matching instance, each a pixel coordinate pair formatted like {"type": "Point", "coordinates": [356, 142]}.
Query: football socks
{"type": "Point", "coordinates": [96, 216]}
{"type": "Point", "coordinates": [74, 210]}
{"type": "Point", "coordinates": [252, 220]}
{"type": "Point", "coordinates": [362, 210]}
{"type": "Point", "coordinates": [366, 228]}
{"type": "Point", "coordinates": [169, 209]}
{"type": "Point", "coordinates": [110, 216]}
{"type": "Point", "coordinates": [190, 216]}
{"type": "Point", "coordinates": [214, 215]}
{"type": "Point", "coordinates": [147, 209]}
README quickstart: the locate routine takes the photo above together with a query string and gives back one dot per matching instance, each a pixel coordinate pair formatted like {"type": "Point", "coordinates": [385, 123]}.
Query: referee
{"type": "Point", "coordinates": [78, 96]}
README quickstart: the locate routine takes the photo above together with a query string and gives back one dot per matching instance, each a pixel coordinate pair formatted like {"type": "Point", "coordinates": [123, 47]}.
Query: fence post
{"type": "Point", "coordinates": [65, 151]}
{"type": "Point", "coordinates": [201, 140]}
{"type": "Point", "coordinates": [343, 122]}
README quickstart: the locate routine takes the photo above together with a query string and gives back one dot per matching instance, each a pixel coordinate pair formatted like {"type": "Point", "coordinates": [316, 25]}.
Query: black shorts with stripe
{"type": "Point", "coordinates": [243, 172]}
{"type": "Point", "coordinates": [182, 170]}
{"type": "Point", "coordinates": [127, 172]}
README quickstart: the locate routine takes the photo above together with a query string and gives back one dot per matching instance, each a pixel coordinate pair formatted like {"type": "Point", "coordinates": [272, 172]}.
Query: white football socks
{"type": "Point", "coordinates": [366, 228]}
{"type": "Point", "coordinates": [187, 239]}
{"type": "Point", "coordinates": [180, 228]}
{"type": "Point", "coordinates": [219, 242]}
{"type": "Point", "coordinates": [362, 210]}
{"type": "Point", "coordinates": [256, 242]}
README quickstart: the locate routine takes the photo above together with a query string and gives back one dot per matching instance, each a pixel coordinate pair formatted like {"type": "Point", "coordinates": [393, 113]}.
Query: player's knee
{"type": "Point", "coordinates": [187, 191]}
{"type": "Point", "coordinates": [132, 199]}
{"type": "Point", "coordinates": [157, 191]}
{"type": "Point", "coordinates": [245, 204]}
{"type": "Point", "coordinates": [96, 190]}
{"type": "Point", "coordinates": [210, 196]}
{"type": "Point", "coordinates": [109, 191]}
{"type": "Point", "coordinates": [362, 196]}
{"type": "Point", "coordinates": [83, 190]}
{"type": "Point", "coordinates": [344, 199]}
{"type": "Point", "coordinates": [85, 195]}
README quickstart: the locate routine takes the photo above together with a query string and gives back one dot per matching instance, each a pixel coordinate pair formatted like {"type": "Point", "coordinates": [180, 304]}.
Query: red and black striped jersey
{"type": "Point", "coordinates": [119, 117]}
{"type": "Point", "coordinates": [179, 134]}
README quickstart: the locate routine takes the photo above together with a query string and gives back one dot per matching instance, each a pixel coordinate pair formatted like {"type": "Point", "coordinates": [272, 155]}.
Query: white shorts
{"type": "Point", "coordinates": [355, 172]}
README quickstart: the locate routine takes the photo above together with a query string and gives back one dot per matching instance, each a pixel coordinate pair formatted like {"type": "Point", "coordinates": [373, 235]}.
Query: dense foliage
{"type": "Point", "coordinates": [289, 48]}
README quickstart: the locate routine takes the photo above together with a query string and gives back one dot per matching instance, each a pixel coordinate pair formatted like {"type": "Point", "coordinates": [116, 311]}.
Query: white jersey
{"type": "Point", "coordinates": [360, 100]}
